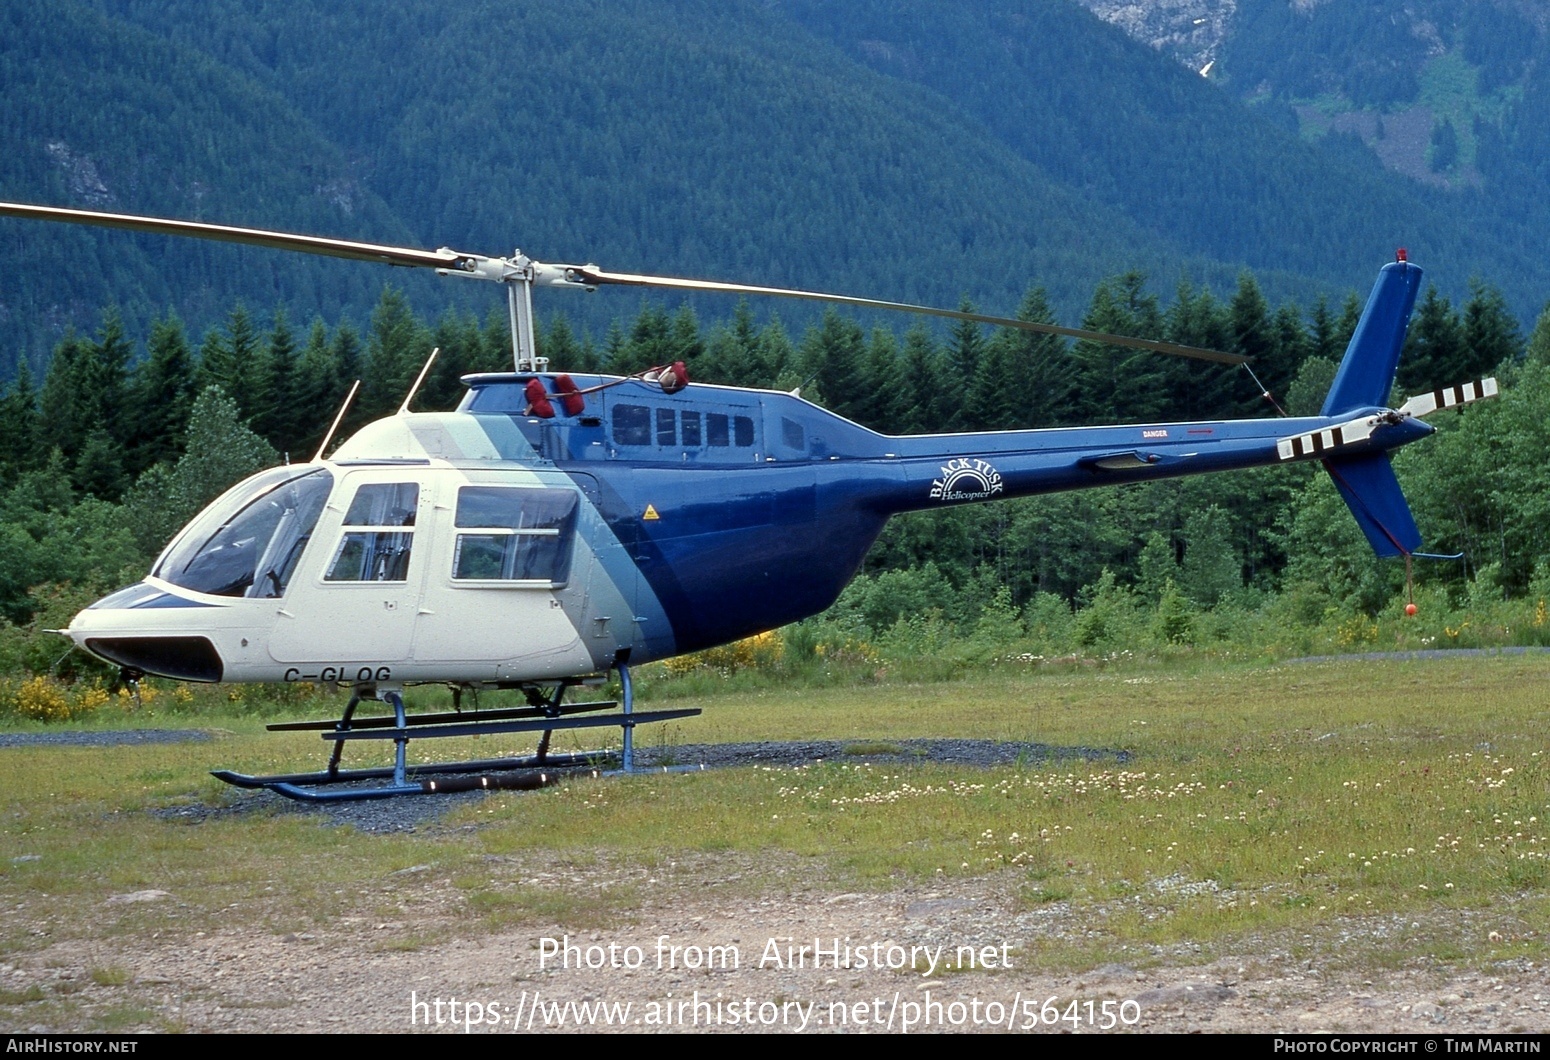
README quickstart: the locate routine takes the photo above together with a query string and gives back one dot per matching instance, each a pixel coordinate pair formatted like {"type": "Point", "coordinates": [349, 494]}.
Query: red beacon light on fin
{"type": "Point", "coordinates": [1401, 255]}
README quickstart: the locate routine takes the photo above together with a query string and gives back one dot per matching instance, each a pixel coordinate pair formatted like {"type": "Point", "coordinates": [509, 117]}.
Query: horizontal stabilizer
{"type": "Point", "coordinates": [1370, 490]}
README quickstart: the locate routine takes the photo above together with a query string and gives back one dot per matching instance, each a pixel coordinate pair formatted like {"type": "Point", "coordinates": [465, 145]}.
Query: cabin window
{"type": "Point", "coordinates": [249, 542]}
{"type": "Point", "coordinates": [513, 534]}
{"type": "Point", "coordinates": [742, 431]}
{"type": "Point", "coordinates": [716, 433]}
{"type": "Point", "coordinates": [691, 430]}
{"type": "Point", "coordinates": [376, 544]}
{"type": "Point", "coordinates": [667, 427]}
{"type": "Point", "coordinates": [632, 425]}
{"type": "Point", "coordinates": [792, 434]}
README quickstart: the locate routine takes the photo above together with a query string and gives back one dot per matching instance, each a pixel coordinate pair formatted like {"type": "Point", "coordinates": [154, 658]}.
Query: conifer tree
{"type": "Point", "coordinates": [615, 355]}
{"type": "Point", "coordinates": [495, 353]}
{"type": "Point", "coordinates": [734, 355]}
{"type": "Point", "coordinates": [105, 380]}
{"type": "Point", "coordinates": [1538, 351]}
{"type": "Point", "coordinates": [776, 355]}
{"type": "Point", "coordinates": [99, 467]}
{"type": "Point", "coordinates": [229, 359]}
{"type": "Point", "coordinates": [278, 387]}
{"type": "Point", "coordinates": [1116, 384]}
{"type": "Point", "coordinates": [684, 342]}
{"type": "Point", "coordinates": [651, 342]}
{"type": "Point", "coordinates": [21, 438]}
{"type": "Point", "coordinates": [1323, 333]}
{"type": "Point", "coordinates": [995, 398]}
{"type": "Point", "coordinates": [1042, 369]}
{"type": "Point", "coordinates": [320, 387]}
{"type": "Point", "coordinates": [1435, 353]}
{"type": "Point", "coordinates": [834, 351]}
{"type": "Point", "coordinates": [461, 346]}
{"type": "Point", "coordinates": [60, 400]}
{"type": "Point", "coordinates": [1254, 336]}
{"type": "Point", "coordinates": [1198, 391]}
{"type": "Point", "coordinates": [922, 382]}
{"type": "Point", "coordinates": [1345, 327]}
{"type": "Point", "coordinates": [565, 352]}
{"type": "Point", "coordinates": [163, 394]}
{"type": "Point", "coordinates": [86, 389]}
{"type": "Point", "coordinates": [881, 410]}
{"type": "Point", "coordinates": [1491, 334]}
{"type": "Point", "coordinates": [396, 348]}
{"type": "Point", "coordinates": [965, 347]}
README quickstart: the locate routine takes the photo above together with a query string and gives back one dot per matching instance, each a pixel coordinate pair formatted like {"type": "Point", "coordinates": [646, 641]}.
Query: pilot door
{"type": "Point", "coordinates": [505, 596]}
{"type": "Point", "coordinates": [353, 601]}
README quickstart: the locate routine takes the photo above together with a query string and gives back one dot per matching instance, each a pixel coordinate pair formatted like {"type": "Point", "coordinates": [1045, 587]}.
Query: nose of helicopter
{"type": "Point", "coordinates": [150, 631]}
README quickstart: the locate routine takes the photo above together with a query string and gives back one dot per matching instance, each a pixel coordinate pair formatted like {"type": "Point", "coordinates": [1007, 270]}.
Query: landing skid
{"type": "Point", "coordinates": [544, 714]}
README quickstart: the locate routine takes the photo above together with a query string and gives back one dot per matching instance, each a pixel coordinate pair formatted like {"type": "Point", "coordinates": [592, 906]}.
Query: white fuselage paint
{"type": "Point", "coordinates": [428, 626]}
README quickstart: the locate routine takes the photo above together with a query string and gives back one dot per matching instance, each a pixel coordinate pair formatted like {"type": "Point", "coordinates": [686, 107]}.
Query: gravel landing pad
{"type": "Point", "coordinates": [409, 813]}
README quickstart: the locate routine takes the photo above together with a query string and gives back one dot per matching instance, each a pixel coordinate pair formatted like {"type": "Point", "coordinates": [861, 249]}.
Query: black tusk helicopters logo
{"type": "Point", "coordinates": [557, 527]}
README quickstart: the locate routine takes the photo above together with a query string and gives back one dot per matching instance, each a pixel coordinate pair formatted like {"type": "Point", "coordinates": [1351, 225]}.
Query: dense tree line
{"type": "Point", "coordinates": [119, 445]}
{"type": "Point", "coordinates": [895, 148]}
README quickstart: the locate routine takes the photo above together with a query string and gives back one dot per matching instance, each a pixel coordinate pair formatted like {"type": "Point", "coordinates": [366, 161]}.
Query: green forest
{"type": "Point", "coordinates": [127, 436]}
{"type": "Point", "coordinates": [905, 150]}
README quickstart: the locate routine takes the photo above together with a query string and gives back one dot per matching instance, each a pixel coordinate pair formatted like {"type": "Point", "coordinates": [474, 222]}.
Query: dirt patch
{"type": "Point", "coordinates": [806, 959]}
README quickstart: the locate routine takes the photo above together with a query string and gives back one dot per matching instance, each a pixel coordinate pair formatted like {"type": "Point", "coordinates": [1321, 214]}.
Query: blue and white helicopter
{"type": "Point", "coordinates": [557, 528]}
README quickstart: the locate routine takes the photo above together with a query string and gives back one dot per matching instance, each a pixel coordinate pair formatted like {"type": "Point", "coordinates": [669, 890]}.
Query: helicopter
{"type": "Point", "coordinates": [556, 528]}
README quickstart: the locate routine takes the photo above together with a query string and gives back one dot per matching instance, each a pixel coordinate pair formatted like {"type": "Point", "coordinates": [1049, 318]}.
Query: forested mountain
{"type": "Point", "coordinates": [1454, 94]}
{"type": "Point", "coordinates": [903, 150]}
{"type": "Point", "coordinates": [99, 114]}
{"type": "Point", "coordinates": [1193, 166]}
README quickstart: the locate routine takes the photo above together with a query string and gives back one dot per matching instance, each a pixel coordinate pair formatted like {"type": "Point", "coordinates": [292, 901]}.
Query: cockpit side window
{"type": "Point", "coordinates": [249, 542]}
{"type": "Point", "coordinates": [378, 534]}
{"type": "Point", "coordinates": [513, 535]}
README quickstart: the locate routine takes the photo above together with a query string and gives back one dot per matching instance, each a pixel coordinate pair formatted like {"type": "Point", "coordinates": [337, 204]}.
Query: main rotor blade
{"type": "Point", "coordinates": [258, 237]}
{"type": "Point", "coordinates": [561, 275]}
{"type": "Point", "coordinates": [591, 274]}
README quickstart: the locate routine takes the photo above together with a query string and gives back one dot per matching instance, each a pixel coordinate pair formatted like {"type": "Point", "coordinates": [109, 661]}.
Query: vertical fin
{"type": "Point", "coordinates": [1366, 373]}
{"type": "Point", "coordinates": [1369, 488]}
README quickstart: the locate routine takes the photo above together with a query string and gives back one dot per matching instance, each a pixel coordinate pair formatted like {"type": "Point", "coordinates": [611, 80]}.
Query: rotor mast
{"type": "Point", "coordinates": [524, 343]}
{"type": "Point", "coordinates": [520, 274]}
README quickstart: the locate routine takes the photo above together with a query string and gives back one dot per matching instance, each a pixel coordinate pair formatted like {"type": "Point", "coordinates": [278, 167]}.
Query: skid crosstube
{"type": "Point", "coordinates": [544, 714]}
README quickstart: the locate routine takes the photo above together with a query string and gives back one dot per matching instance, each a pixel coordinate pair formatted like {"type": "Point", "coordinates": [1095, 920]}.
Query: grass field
{"type": "Point", "coordinates": [1253, 801]}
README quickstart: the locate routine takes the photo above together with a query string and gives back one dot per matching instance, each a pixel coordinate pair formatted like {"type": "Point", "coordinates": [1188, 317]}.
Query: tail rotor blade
{"type": "Point", "coordinates": [1321, 442]}
{"type": "Point", "coordinates": [1447, 397]}
{"type": "Point", "coordinates": [1317, 443]}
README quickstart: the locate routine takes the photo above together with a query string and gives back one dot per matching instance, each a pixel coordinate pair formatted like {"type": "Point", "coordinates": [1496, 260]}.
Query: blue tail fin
{"type": "Point", "coordinates": [1367, 372]}
{"type": "Point", "coordinates": [1366, 375]}
{"type": "Point", "coordinates": [1370, 490]}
